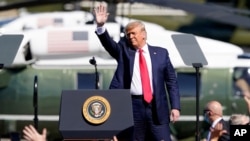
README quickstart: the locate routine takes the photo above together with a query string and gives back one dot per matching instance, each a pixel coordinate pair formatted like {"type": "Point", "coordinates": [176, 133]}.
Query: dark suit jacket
{"type": "Point", "coordinates": [164, 75]}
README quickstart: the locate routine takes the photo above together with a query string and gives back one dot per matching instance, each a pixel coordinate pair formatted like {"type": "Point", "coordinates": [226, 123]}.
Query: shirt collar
{"type": "Point", "coordinates": [144, 48]}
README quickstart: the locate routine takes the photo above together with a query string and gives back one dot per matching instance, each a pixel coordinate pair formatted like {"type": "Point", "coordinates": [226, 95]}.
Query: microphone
{"type": "Point", "coordinates": [92, 61]}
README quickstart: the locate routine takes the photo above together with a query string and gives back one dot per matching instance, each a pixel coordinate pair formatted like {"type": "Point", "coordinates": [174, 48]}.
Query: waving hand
{"type": "Point", "coordinates": [101, 15]}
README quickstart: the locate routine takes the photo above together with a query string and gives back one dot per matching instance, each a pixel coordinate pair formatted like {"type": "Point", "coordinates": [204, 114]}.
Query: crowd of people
{"type": "Point", "coordinates": [213, 115]}
{"type": "Point", "coordinates": [219, 128]}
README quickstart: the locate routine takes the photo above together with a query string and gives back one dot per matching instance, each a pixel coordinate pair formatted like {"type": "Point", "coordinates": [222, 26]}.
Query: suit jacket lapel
{"type": "Point", "coordinates": [154, 64]}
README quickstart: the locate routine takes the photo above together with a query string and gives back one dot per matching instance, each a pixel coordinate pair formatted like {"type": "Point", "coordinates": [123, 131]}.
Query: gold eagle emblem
{"type": "Point", "coordinates": [96, 109]}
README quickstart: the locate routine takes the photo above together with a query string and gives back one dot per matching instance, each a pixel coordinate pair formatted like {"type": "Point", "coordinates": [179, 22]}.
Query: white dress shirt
{"type": "Point", "coordinates": [136, 85]}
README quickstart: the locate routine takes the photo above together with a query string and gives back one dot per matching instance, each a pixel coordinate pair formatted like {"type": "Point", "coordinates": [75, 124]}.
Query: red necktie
{"type": "Point", "coordinates": [146, 88]}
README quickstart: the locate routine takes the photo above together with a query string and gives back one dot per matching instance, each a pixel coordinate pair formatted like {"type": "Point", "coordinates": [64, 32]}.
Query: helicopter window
{"type": "Point", "coordinates": [187, 83]}
{"type": "Point", "coordinates": [47, 21]}
{"type": "Point", "coordinates": [241, 79]}
{"type": "Point", "coordinates": [27, 52]}
{"type": "Point", "coordinates": [58, 21]}
{"type": "Point", "coordinates": [86, 80]}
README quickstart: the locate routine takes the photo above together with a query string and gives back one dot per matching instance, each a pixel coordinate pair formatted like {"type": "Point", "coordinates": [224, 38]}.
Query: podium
{"type": "Point", "coordinates": [95, 114]}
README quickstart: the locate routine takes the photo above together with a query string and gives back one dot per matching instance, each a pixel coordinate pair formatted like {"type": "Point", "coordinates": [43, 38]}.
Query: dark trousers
{"type": "Point", "coordinates": [146, 127]}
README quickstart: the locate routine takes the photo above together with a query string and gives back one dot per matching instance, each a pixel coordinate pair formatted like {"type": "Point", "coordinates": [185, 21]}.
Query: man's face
{"type": "Point", "coordinates": [136, 37]}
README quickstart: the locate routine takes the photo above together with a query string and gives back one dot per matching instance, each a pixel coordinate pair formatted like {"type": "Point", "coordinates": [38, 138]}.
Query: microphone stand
{"type": "Point", "coordinates": [35, 104]}
{"type": "Point", "coordinates": [197, 66]}
{"type": "Point", "coordinates": [93, 62]}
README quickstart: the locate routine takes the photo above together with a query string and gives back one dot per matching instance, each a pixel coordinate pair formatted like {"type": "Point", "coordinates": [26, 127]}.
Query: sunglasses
{"type": "Point", "coordinates": [206, 110]}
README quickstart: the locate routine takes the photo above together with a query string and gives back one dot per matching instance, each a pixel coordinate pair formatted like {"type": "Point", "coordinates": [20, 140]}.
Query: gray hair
{"type": "Point", "coordinates": [238, 119]}
{"type": "Point", "coordinates": [134, 24]}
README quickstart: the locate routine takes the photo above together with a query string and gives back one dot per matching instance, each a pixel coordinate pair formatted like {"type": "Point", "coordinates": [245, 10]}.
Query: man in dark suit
{"type": "Point", "coordinates": [147, 81]}
{"type": "Point", "coordinates": [213, 113]}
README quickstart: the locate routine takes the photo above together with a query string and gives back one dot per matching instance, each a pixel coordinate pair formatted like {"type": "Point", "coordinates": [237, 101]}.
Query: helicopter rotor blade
{"type": "Point", "coordinates": [210, 11]}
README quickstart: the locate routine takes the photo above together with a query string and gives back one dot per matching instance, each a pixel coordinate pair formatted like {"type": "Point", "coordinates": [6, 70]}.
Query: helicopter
{"type": "Point", "coordinates": [59, 69]}
{"type": "Point", "coordinates": [62, 68]}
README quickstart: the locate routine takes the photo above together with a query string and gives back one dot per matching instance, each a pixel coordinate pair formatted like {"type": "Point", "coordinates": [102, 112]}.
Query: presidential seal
{"type": "Point", "coordinates": [96, 109]}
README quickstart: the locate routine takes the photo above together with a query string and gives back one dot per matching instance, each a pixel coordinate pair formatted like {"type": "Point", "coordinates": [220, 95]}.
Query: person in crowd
{"type": "Point", "coordinates": [219, 128]}
{"type": "Point", "coordinates": [247, 100]}
{"type": "Point", "coordinates": [31, 134]}
{"type": "Point", "coordinates": [235, 119]}
{"type": "Point", "coordinates": [147, 71]}
{"type": "Point", "coordinates": [242, 81]}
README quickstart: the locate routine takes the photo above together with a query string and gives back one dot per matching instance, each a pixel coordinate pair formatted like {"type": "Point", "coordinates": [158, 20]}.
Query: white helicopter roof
{"type": "Point", "coordinates": [40, 20]}
{"type": "Point", "coordinates": [217, 53]}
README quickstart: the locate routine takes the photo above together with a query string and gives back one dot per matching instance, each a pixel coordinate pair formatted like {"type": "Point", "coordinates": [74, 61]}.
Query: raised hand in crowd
{"type": "Point", "coordinates": [31, 134]}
